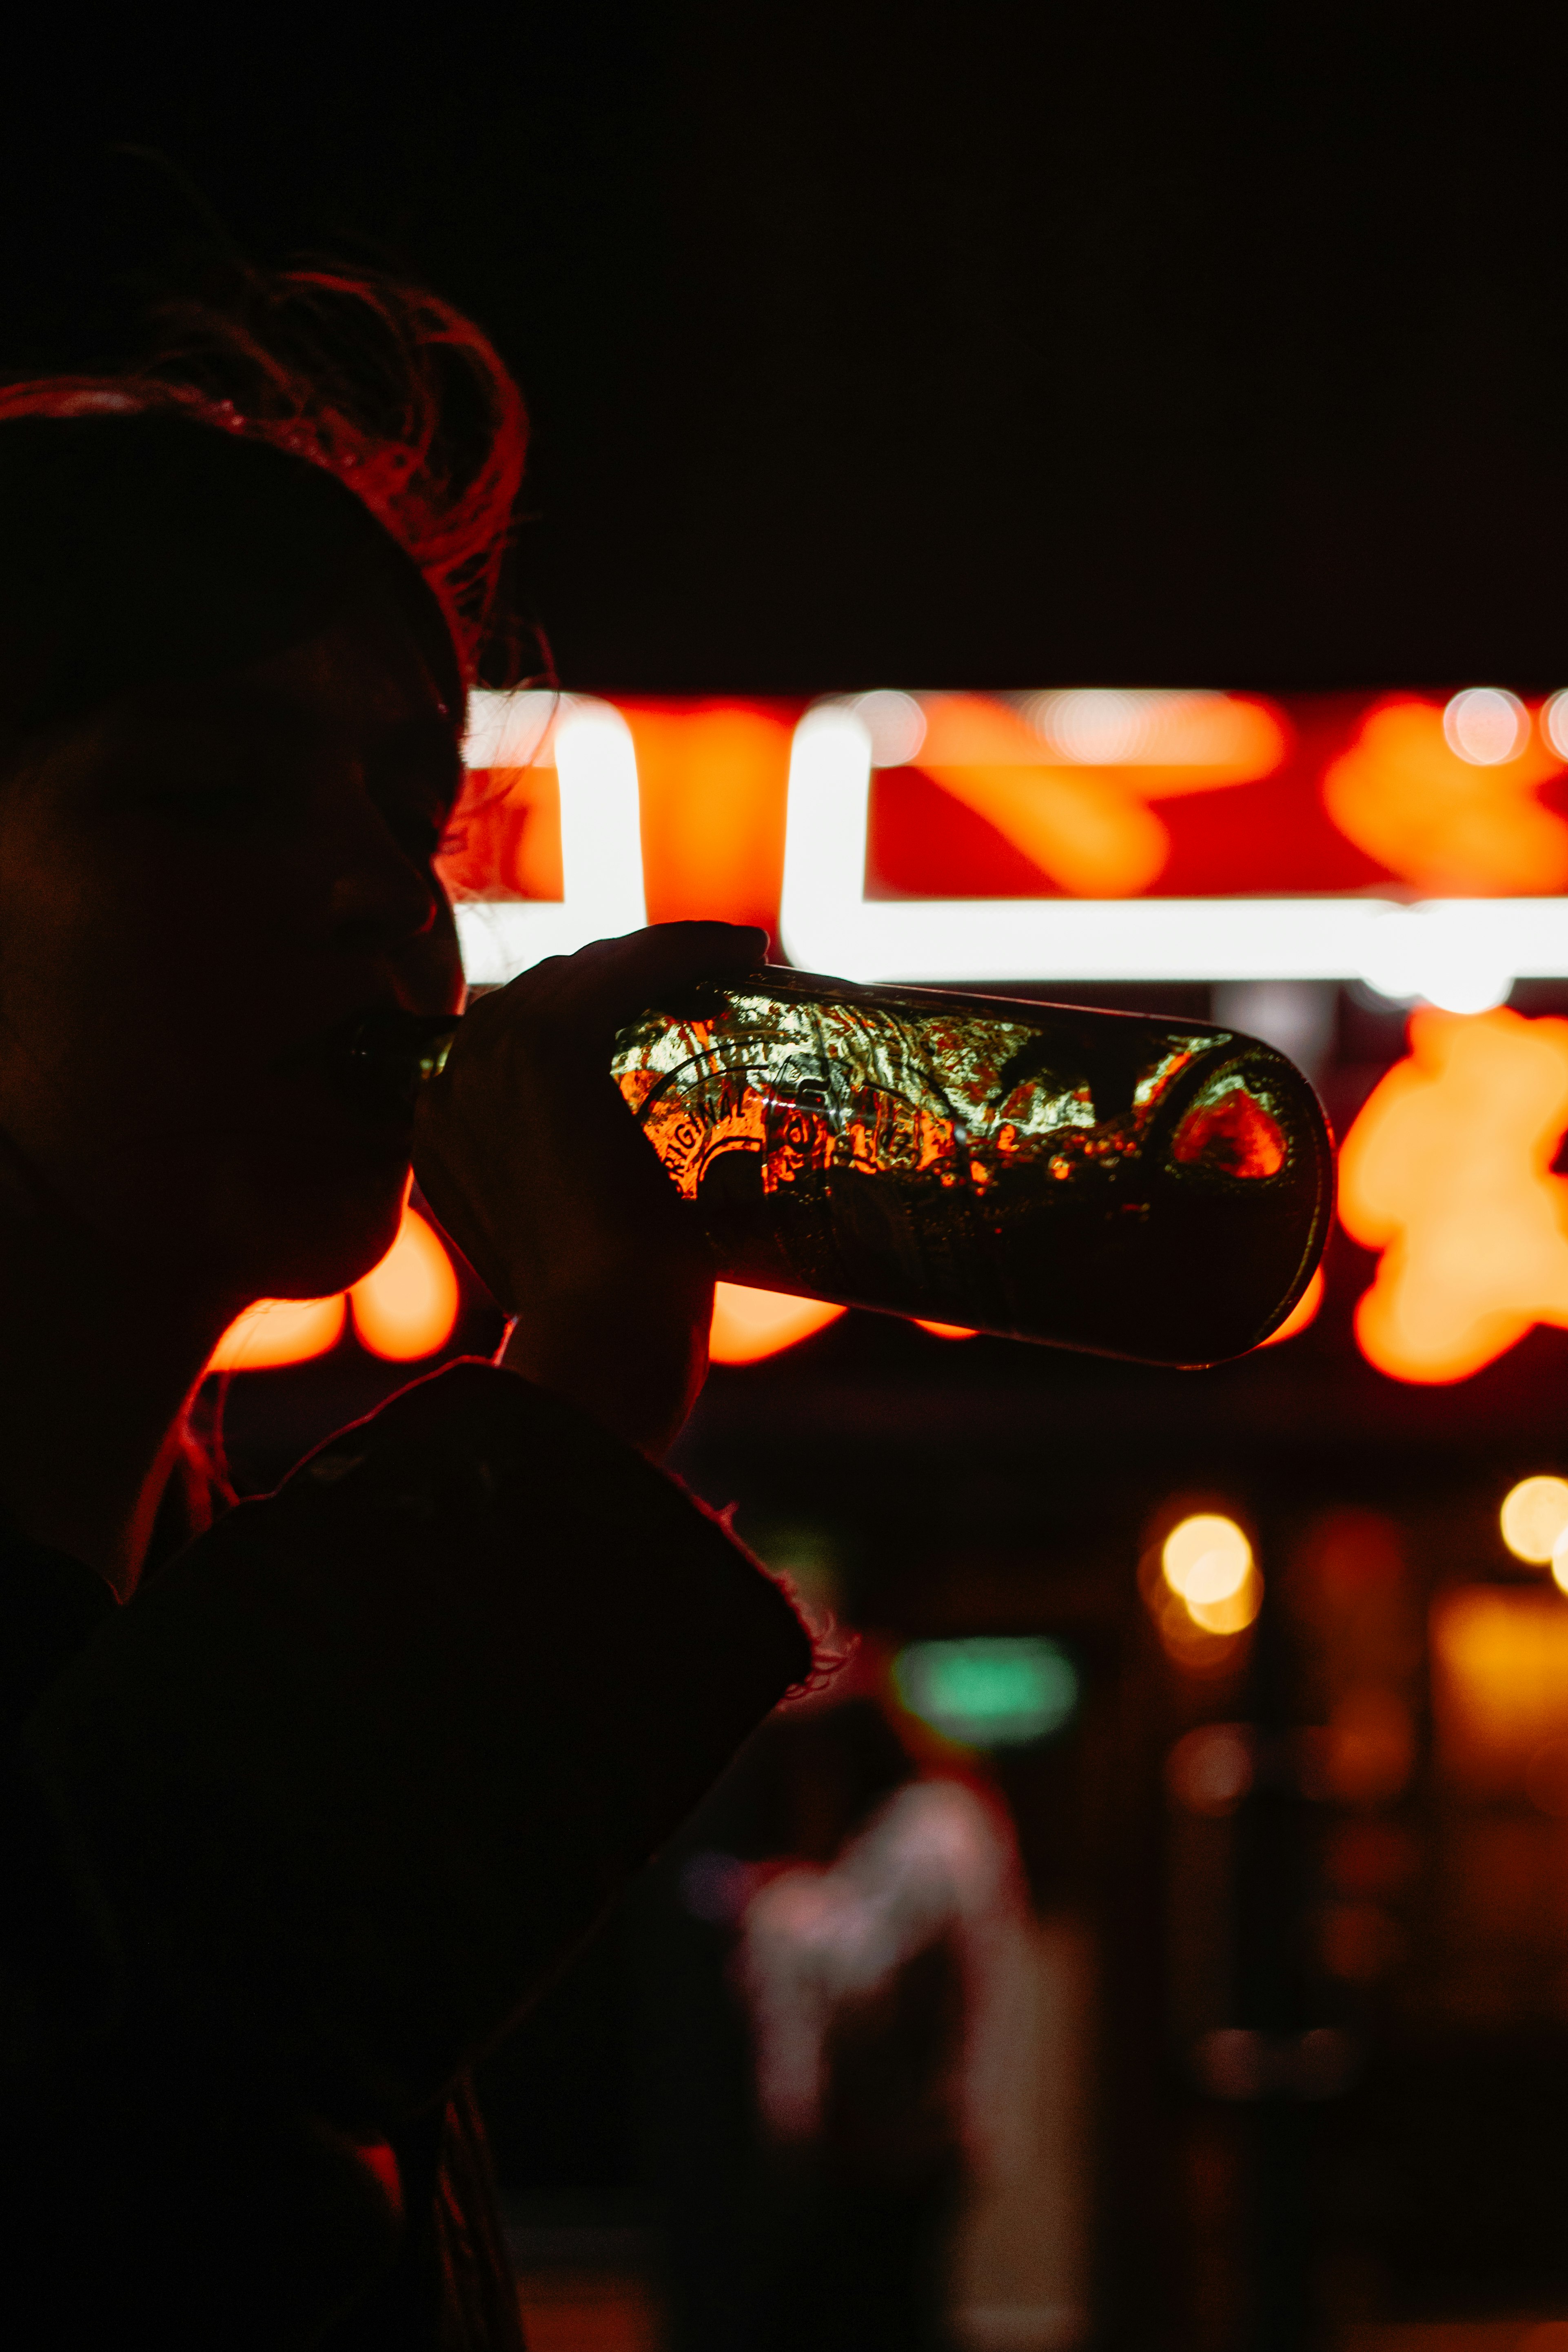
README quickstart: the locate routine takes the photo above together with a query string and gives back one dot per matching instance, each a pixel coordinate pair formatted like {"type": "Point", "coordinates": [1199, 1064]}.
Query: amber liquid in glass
{"type": "Point", "coordinates": [1100, 1180]}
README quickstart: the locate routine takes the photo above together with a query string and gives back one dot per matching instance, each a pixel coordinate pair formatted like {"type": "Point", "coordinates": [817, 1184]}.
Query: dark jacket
{"type": "Point", "coordinates": [292, 1838]}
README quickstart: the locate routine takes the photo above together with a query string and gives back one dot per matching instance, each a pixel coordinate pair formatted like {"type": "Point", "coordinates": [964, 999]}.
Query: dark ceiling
{"type": "Point", "coordinates": [927, 343]}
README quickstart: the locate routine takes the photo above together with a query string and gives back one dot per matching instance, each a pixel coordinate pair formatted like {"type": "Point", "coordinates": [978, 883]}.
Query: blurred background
{"type": "Point", "coordinates": [1158, 1936]}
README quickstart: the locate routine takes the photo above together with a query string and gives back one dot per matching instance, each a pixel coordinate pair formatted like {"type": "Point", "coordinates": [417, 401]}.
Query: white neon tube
{"type": "Point", "coordinates": [1466, 949]}
{"type": "Point", "coordinates": [601, 837]}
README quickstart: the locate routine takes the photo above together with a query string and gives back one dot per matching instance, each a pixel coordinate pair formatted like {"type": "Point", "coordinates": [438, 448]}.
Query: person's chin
{"type": "Point", "coordinates": [310, 1239]}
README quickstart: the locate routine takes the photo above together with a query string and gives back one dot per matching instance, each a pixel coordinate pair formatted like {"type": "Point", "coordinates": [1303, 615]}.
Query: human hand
{"type": "Point", "coordinates": [532, 1162]}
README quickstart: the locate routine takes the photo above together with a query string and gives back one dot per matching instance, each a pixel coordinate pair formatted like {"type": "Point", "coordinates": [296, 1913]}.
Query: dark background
{"type": "Point", "coordinates": [964, 346]}
{"type": "Point", "coordinates": [920, 343]}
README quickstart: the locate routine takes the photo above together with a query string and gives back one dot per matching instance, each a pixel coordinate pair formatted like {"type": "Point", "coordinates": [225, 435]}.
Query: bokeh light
{"type": "Point", "coordinates": [1206, 1562]}
{"type": "Point", "coordinates": [1204, 1554]}
{"type": "Point", "coordinates": [1554, 723]}
{"type": "Point", "coordinates": [896, 724]}
{"type": "Point", "coordinates": [1486, 725]}
{"type": "Point", "coordinates": [404, 1307]}
{"type": "Point", "coordinates": [1205, 1557]}
{"type": "Point", "coordinates": [1097, 726]}
{"type": "Point", "coordinates": [1448, 1170]}
{"type": "Point", "coordinates": [1535, 1519]}
{"type": "Point", "coordinates": [1094, 724]}
{"type": "Point", "coordinates": [407, 1305]}
{"type": "Point", "coordinates": [1210, 1770]}
{"type": "Point", "coordinates": [1451, 821]}
{"type": "Point", "coordinates": [1499, 1685]}
{"type": "Point", "coordinates": [750, 1324]}
{"type": "Point", "coordinates": [1439, 954]}
{"type": "Point", "coordinates": [277, 1331]}
{"type": "Point", "coordinates": [988, 1691]}
{"type": "Point", "coordinates": [1304, 1312]}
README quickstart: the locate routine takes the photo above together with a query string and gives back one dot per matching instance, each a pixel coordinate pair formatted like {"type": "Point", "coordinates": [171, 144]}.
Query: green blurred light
{"type": "Point", "coordinates": [988, 1692]}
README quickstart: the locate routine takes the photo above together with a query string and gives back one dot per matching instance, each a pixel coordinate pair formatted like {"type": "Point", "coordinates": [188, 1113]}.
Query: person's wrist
{"type": "Point", "coordinates": [641, 1385]}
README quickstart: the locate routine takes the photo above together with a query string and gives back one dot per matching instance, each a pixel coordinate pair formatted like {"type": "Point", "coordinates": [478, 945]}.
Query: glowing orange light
{"type": "Point", "coordinates": [1500, 1681]}
{"type": "Point", "coordinates": [750, 1324]}
{"type": "Point", "coordinates": [1080, 827]}
{"type": "Point", "coordinates": [946, 1331]}
{"type": "Point", "coordinates": [1447, 1171]}
{"type": "Point", "coordinates": [406, 1307]}
{"type": "Point", "coordinates": [1447, 822]}
{"type": "Point", "coordinates": [279, 1331]}
{"type": "Point", "coordinates": [714, 786]}
{"type": "Point", "coordinates": [1084, 820]}
{"type": "Point", "coordinates": [1300, 1315]}
{"type": "Point", "coordinates": [506, 835]}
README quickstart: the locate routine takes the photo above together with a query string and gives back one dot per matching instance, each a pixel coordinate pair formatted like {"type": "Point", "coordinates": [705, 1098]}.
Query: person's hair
{"type": "Point", "coordinates": [209, 503]}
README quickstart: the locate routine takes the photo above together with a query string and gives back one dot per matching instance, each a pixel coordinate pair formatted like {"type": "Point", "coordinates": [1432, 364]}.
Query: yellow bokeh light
{"type": "Point", "coordinates": [1207, 1559]}
{"type": "Point", "coordinates": [1202, 1589]}
{"type": "Point", "coordinates": [1534, 1520]}
{"type": "Point", "coordinates": [1232, 1612]}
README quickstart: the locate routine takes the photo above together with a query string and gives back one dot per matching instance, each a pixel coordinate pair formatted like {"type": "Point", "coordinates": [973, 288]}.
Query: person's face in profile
{"type": "Point", "coordinates": [201, 888]}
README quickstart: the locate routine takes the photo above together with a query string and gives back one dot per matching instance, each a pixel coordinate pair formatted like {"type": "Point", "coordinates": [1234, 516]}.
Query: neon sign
{"type": "Point", "coordinates": [1407, 843]}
